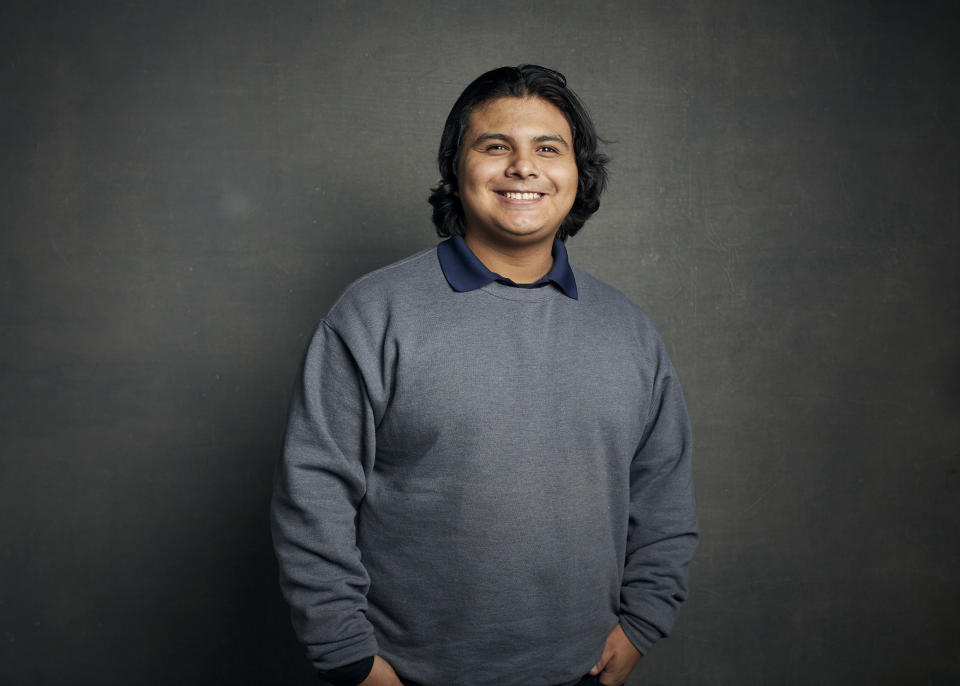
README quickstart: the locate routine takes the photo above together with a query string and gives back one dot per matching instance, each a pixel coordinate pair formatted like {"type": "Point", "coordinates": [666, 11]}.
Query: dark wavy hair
{"type": "Point", "coordinates": [518, 82]}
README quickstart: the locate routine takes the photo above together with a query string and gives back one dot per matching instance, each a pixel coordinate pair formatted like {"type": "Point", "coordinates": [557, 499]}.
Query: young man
{"type": "Point", "coordinates": [486, 478]}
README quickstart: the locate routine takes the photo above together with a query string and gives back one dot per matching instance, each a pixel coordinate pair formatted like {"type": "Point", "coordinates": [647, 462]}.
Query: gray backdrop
{"type": "Point", "coordinates": [187, 186]}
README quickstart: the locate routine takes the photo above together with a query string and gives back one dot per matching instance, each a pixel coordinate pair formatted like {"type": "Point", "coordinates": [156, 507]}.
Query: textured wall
{"type": "Point", "coordinates": [185, 187]}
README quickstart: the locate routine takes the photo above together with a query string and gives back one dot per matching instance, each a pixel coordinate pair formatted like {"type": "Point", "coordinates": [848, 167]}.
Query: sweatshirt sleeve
{"type": "Point", "coordinates": [328, 454]}
{"type": "Point", "coordinates": [663, 530]}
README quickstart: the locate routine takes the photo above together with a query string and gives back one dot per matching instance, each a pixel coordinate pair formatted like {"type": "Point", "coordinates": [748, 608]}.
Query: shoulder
{"type": "Point", "coordinates": [624, 323]}
{"type": "Point", "coordinates": [380, 289]}
{"type": "Point", "coordinates": [380, 300]}
{"type": "Point", "coordinates": [612, 305]}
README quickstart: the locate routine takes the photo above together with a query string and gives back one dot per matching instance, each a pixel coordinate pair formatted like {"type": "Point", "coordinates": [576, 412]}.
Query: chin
{"type": "Point", "coordinates": [528, 231]}
{"type": "Point", "coordinates": [527, 236]}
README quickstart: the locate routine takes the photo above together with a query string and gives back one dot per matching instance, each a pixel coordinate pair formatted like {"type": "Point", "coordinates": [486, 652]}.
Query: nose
{"type": "Point", "coordinates": [523, 165]}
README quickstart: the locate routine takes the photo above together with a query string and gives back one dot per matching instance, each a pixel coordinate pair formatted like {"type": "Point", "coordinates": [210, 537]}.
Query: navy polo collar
{"type": "Point", "coordinates": [465, 272]}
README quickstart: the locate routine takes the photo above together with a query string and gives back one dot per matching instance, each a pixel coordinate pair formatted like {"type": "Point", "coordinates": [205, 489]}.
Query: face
{"type": "Point", "coordinates": [517, 173]}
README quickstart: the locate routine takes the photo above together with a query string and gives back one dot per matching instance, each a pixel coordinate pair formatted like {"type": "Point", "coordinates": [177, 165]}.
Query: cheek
{"type": "Point", "coordinates": [565, 173]}
{"type": "Point", "coordinates": [474, 174]}
{"type": "Point", "coordinates": [572, 182]}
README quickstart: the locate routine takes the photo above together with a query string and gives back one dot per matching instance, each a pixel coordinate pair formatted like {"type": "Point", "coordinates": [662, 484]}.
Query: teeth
{"type": "Point", "coordinates": [522, 196]}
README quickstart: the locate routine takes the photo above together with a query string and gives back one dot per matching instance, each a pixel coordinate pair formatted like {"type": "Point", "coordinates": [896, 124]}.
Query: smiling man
{"type": "Point", "coordinates": [517, 177]}
{"type": "Point", "coordinates": [486, 477]}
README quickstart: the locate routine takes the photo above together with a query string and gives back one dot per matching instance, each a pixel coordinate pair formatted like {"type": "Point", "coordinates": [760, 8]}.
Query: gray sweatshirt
{"type": "Point", "coordinates": [479, 486]}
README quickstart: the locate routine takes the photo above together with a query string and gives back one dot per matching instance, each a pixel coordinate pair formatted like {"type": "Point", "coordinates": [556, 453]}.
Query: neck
{"type": "Point", "coordinates": [519, 263]}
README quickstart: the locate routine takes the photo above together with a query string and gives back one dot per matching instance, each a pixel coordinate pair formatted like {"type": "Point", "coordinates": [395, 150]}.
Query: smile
{"type": "Point", "coordinates": [521, 196]}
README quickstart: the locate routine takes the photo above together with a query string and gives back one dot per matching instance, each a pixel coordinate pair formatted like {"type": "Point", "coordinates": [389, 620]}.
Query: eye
{"type": "Point", "coordinates": [495, 147]}
{"type": "Point", "coordinates": [548, 149]}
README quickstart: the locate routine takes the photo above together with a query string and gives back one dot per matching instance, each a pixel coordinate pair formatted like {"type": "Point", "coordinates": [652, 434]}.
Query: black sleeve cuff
{"type": "Point", "coordinates": [348, 675]}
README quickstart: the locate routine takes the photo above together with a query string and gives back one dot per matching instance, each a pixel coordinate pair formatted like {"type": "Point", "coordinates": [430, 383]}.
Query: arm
{"type": "Point", "coordinates": [663, 531]}
{"type": "Point", "coordinates": [328, 454]}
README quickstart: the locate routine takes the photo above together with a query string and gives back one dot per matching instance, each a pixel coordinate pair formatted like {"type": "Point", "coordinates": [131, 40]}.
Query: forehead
{"type": "Point", "coordinates": [518, 116]}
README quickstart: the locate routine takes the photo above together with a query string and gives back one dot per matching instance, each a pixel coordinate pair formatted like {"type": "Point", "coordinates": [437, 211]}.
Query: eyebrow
{"type": "Point", "coordinates": [549, 138]}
